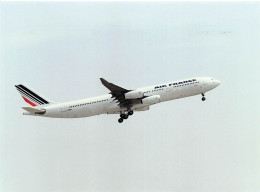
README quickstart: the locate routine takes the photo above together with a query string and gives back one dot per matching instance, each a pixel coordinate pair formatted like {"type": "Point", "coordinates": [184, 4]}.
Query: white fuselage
{"type": "Point", "coordinates": [106, 104]}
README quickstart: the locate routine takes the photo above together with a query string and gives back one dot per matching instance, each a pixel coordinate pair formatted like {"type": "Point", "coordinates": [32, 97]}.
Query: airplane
{"type": "Point", "coordinates": [119, 101]}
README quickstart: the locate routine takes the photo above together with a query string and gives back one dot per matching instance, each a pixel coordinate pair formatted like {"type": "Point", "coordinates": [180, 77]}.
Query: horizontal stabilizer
{"type": "Point", "coordinates": [34, 110]}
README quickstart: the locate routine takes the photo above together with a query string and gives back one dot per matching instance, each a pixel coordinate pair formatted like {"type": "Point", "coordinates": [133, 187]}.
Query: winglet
{"type": "Point", "coordinates": [104, 82]}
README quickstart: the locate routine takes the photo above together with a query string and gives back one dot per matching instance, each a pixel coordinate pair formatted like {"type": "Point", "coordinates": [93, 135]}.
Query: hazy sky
{"type": "Point", "coordinates": [186, 145]}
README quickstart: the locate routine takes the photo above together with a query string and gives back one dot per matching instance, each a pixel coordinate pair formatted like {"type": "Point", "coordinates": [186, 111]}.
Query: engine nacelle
{"type": "Point", "coordinates": [134, 95]}
{"type": "Point", "coordinates": [151, 100]}
{"type": "Point", "coordinates": [142, 108]}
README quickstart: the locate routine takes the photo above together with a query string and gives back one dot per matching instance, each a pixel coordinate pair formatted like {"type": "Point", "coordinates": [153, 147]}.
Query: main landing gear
{"type": "Point", "coordinates": [125, 116]}
{"type": "Point", "coordinates": [203, 97]}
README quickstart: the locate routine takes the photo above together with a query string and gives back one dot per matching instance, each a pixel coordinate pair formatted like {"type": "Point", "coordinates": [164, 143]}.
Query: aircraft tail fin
{"type": "Point", "coordinates": [32, 97]}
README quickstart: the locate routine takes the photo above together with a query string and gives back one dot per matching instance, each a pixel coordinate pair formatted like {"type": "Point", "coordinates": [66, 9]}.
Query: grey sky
{"type": "Point", "coordinates": [62, 49]}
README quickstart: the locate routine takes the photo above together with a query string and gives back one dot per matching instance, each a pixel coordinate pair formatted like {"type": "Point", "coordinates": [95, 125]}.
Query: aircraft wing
{"type": "Point", "coordinates": [113, 88]}
{"type": "Point", "coordinates": [118, 93]}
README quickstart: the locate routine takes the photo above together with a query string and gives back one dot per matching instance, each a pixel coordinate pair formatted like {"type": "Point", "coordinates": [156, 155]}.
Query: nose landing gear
{"type": "Point", "coordinates": [203, 97]}
{"type": "Point", "coordinates": [125, 116]}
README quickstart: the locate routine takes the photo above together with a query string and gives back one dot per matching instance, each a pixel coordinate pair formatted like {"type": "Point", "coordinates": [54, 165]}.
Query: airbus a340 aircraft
{"type": "Point", "coordinates": [119, 101]}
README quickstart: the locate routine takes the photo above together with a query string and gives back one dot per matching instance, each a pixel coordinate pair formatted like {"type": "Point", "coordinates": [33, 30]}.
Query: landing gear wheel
{"type": "Point", "coordinates": [130, 112]}
{"type": "Point", "coordinates": [122, 115]}
{"type": "Point", "coordinates": [120, 120]}
{"type": "Point", "coordinates": [203, 98]}
{"type": "Point", "coordinates": [125, 116]}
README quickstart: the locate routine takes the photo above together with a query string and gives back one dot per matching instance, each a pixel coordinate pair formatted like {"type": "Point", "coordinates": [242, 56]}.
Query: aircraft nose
{"type": "Point", "coordinates": [217, 82]}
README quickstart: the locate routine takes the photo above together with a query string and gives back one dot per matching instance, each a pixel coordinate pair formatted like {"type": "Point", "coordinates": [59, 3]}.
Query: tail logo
{"type": "Point", "coordinates": [31, 97]}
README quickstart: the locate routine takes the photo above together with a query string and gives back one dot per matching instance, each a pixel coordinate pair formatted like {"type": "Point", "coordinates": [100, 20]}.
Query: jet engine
{"type": "Point", "coordinates": [151, 100]}
{"type": "Point", "coordinates": [134, 95]}
{"type": "Point", "coordinates": [142, 108]}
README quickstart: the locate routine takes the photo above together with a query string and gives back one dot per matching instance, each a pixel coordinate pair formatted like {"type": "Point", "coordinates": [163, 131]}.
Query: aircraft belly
{"type": "Point", "coordinates": [96, 109]}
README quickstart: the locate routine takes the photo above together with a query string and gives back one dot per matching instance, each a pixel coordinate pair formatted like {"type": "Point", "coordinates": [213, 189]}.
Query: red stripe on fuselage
{"type": "Point", "coordinates": [28, 101]}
